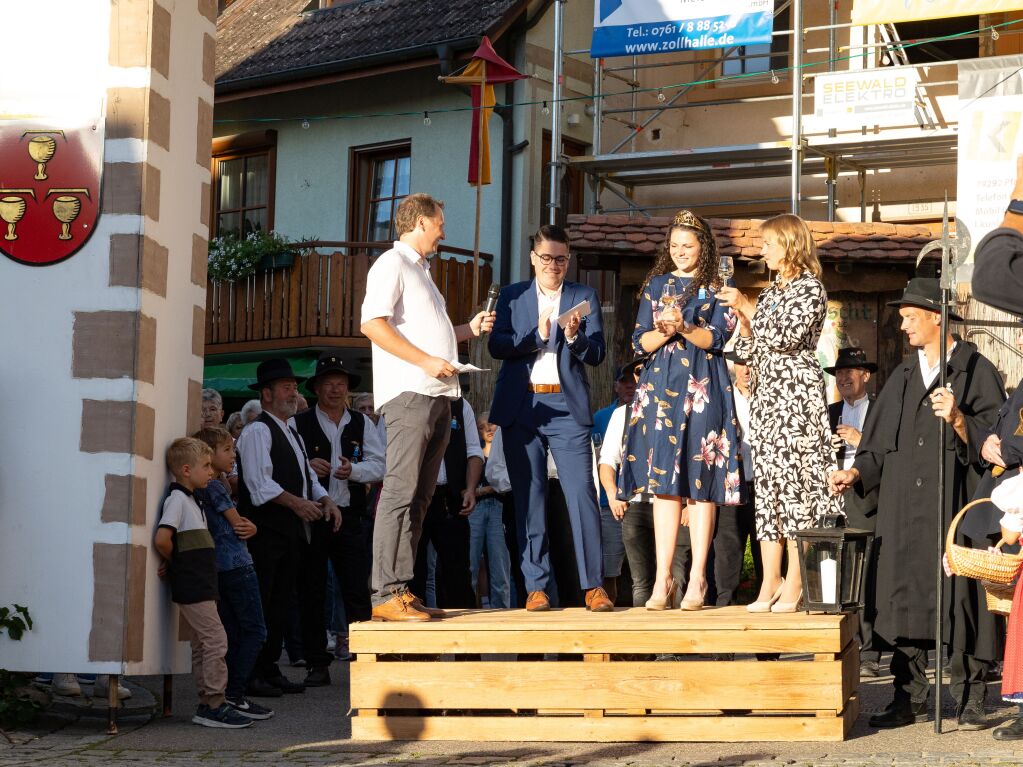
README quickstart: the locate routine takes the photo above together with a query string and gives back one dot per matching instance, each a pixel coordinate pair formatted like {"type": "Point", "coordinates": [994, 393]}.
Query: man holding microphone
{"type": "Point", "coordinates": [415, 351]}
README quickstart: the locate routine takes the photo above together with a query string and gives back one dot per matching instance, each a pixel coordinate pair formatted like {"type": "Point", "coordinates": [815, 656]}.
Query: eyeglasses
{"type": "Point", "coordinates": [546, 259]}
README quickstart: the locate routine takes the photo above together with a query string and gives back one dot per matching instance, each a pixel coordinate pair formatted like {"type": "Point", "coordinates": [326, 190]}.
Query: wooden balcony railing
{"type": "Point", "coordinates": [316, 301]}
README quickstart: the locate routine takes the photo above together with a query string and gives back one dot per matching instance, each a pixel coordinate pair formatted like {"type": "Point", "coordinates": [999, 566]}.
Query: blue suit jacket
{"type": "Point", "coordinates": [516, 340]}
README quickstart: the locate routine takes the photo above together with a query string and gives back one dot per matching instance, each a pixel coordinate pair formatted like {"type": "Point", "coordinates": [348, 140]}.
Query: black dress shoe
{"type": "Point", "coordinates": [318, 677]}
{"type": "Point", "coordinates": [1011, 731]}
{"type": "Point", "coordinates": [260, 688]}
{"type": "Point", "coordinates": [899, 714]}
{"type": "Point", "coordinates": [869, 668]}
{"type": "Point", "coordinates": [285, 685]}
{"type": "Point", "coordinates": [972, 717]}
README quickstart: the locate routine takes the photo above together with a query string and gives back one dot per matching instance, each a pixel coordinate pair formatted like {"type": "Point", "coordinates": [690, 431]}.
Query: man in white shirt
{"type": "Point", "coordinates": [346, 451]}
{"type": "Point", "coordinates": [415, 353]}
{"type": "Point", "coordinates": [278, 490]}
{"type": "Point", "coordinates": [852, 372]}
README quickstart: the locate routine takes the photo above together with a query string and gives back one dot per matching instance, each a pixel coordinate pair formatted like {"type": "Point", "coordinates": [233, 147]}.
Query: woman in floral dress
{"type": "Point", "coordinates": [681, 444]}
{"type": "Point", "coordinates": [789, 433]}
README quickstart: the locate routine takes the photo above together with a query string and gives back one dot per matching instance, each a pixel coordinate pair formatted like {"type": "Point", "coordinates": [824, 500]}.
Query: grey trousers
{"type": "Point", "coordinates": [418, 430]}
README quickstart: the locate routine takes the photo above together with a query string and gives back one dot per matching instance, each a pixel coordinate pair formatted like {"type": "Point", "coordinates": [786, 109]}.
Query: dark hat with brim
{"type": "Point", "coordinates": [851, 357]}
{"type": "Point", "coordinates": [329, 362]}
{"type": "Point", "coordinates": [734, 357]}
{"type": "Point", "coordinates": [272, 370]}
{"type": "Point", "coordinates": [628, 371]}
{"type": "Point", "coordinates": [923, 293]}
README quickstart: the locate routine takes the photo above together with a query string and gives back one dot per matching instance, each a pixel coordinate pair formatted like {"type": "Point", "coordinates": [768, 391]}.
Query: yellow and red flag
{"type": "Point", "coordinates": [485, 69]}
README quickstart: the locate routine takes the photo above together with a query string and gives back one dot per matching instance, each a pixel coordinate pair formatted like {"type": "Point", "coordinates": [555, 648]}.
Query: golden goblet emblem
{"type": "Point", "coordinates": [11, 211]}
{"type": "Point", "coordinates": [66, 209]}
{"type": "Point", "coordinates": [41, 149]}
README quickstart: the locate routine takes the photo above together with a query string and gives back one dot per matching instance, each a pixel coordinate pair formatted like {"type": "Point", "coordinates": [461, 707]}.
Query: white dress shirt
{"type": "Point", "coordinates": [496, 470]}
{"type": "Point", "coordinates": [742, 416]}
{"type": "Point", "coordinates": [612, 449]}
{"type": "Point", "coordinates": [928, 372]}
{"type": "Point", "coordinates": [472, 440]}
{"type": "Point", "coordinates": [369, 468]}
{"type": "Point", "coordinates": [545, 368]}
{"type": "Point", "coordinates": [853, 415]}
{"type": "Point", "coordinates": [254, 454]}
{"type": "Point", "coordinates": [399, 289]}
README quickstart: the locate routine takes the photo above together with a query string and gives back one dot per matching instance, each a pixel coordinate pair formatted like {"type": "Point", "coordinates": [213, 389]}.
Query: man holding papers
{"type": "Point", "coordinates": [415, 356]}
{"type": "Point", "coordinates": [547, 330]}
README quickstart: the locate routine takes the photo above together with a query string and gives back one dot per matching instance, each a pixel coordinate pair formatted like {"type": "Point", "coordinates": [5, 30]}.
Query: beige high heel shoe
{"type": "Point", "coordinates": [662, 604]}
{"type": "Point", "coordinates": [788, 607]}
{"type": "Point", "coordinates": [695, 604]}
{"type": "Point", "coordinates": [765, 607]}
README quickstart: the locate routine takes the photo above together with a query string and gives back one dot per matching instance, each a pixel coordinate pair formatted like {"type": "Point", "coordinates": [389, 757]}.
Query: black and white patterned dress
{"type": "Point", "coordinates": [789, 432]}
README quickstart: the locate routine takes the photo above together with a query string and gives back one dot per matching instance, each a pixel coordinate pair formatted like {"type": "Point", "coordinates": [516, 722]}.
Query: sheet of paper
{"type": "Point", "coordinates": [468, 368]}
{"type": "Point", "coordinates": [583, 307]}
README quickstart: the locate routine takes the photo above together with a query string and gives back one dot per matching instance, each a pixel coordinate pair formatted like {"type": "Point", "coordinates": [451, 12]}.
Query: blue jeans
{"type": "Point", "coordinates": [486, 531]}
{"type": "Point", "coordinates": [241, 612]}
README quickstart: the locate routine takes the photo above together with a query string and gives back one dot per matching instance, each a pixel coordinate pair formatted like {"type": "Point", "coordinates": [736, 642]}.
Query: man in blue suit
{"type": "Point", "coordinates": [541, 401]}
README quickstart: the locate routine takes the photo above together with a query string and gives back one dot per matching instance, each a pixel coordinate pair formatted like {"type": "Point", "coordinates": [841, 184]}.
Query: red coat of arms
{"type": "Point", "coordinates": [49, 189]}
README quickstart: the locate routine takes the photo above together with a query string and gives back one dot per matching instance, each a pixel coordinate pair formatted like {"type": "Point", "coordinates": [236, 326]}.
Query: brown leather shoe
{"type": "Point", "coordinates": [537, 602]}
{"type": "Point", "coordinates": [598, 602]}
{"type": "Point", "coordinates": [415, 602]}
{"type": "Point", "coordinates": [396, 609]}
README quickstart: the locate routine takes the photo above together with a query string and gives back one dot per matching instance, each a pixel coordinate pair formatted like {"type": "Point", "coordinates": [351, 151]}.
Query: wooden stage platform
{"type": "Point", "coordinates": [481, 675]}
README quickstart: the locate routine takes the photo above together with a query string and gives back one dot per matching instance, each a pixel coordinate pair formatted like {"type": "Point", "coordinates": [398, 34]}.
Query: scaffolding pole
{"type": "Point", "coordinates": [797, 102]}
{"type": "Point", "coordinates": [555, 164]}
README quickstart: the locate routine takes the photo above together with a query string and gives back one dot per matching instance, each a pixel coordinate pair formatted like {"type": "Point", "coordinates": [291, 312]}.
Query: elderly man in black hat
{"type": "Point", "coordinates": [279, 491]}
{"type": "Point", "coordinates": [898, 455]}
{"type": "Point", "coordinates": [346, 451]}
{"type": "Point", "coordinates": [852, 372]}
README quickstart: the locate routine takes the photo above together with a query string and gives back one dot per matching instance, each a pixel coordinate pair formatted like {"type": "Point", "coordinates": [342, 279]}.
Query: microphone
{"type": "Point", "coordinates": [492, 294]}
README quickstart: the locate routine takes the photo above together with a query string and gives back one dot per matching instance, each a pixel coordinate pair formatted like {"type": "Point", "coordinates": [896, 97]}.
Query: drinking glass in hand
{"type": "Point", "coordinates": [726, 268]}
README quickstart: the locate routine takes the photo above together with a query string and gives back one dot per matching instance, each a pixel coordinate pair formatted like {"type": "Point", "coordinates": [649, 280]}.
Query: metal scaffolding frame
{"type": "Point", "coordinates": [618, 171]}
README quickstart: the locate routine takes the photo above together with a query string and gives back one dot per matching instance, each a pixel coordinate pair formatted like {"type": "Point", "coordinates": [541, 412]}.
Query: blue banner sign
{"type": "Point", "coordinates": [634, 27]}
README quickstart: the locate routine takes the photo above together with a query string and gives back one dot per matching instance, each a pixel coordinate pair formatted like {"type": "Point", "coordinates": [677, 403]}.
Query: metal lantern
{"type": "Point", "coordinates": [833, 562]}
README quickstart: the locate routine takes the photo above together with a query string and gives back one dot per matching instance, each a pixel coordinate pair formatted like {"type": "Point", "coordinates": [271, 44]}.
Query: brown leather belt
{"type": "Point", "coordinates": [545, 388]}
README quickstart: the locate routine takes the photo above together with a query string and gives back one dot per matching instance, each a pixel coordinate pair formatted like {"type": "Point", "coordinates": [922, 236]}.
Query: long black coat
{"type": "Point", "coordinates": [898, 455]}
{"type": "Point", "coordinates": [860, 512]}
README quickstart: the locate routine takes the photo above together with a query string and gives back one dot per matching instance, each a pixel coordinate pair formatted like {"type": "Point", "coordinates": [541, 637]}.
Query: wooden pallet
{"type": "Point", "coordinates": [414, 681]}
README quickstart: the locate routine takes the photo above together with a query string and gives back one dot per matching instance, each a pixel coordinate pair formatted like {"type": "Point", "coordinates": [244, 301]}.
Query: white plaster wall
{"type": "Point", "coordinates": [180, 181]}
{"type": "Point", "coordinates": [50, 493]}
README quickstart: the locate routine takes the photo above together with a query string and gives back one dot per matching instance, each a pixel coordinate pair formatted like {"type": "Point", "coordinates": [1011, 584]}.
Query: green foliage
{"type": "Point", "coordinates": [16, 622]}
{"type": "Point", "coordinates": [17, 707]}
{"type": "Point", "coordinates": [234, 258]}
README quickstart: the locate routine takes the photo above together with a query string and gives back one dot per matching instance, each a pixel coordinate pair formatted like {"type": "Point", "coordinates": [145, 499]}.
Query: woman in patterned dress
{"type": "Point", "coordinates": [681, 444]}
{"type": "Point", "coordinates": [789, 432]}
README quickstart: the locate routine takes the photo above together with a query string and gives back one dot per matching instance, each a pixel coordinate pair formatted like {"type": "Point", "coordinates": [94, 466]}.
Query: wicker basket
{"type": "Point", "coordinates": [998, 596]}
{"type": "Point", "coordinates": [977, 563]}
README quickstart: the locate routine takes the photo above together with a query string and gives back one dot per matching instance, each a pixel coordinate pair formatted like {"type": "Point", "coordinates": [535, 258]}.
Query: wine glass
{"type": "Point", "coordinates": [669, 298]}
{"type": "Point", "coordinates": [726, 268]}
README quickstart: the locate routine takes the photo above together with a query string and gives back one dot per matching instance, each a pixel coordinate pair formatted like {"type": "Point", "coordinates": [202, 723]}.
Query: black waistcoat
{"type": "Point", "coordinates": [455, 461]}
{"type": "Point", "coordinates": [317, 444]}
{"type": "Point", "coordinates": [288, 473]}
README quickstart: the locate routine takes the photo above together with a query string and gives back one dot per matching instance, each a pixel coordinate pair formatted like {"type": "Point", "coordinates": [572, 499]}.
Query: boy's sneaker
{"type": "Point", "coordinates": [65, 684]}
{"type": "Point", "coordinates": [223, 716]}
{"type": "Point", "coordinates": [248, 709]}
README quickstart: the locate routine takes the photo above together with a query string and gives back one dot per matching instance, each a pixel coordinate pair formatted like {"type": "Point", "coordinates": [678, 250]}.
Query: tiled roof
{"type": "Point", "coordinates": [261, 38]}
{"type": "Point", "coordinates": [741, 237]}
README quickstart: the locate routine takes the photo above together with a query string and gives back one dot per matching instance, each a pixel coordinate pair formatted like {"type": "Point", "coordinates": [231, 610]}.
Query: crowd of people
{"type": "Point", "coordinates": [719, 440]}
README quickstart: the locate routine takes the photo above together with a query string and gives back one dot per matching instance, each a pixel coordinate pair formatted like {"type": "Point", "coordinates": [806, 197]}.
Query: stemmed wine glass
{"type": "Point", "coordinates": [726, 268]}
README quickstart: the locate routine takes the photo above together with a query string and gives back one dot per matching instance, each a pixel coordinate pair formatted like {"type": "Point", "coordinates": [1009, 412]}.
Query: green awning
{"type": "Point", "coordinates": [232, 379]}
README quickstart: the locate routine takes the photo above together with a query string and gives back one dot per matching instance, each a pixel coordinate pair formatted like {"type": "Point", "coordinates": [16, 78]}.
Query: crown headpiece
{"type": "Point", "coordinates": [688, 218]}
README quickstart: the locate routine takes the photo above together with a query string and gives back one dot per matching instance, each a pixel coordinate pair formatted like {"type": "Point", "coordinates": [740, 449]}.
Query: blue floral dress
{"type": "Point", "coordinates": [681, 439]}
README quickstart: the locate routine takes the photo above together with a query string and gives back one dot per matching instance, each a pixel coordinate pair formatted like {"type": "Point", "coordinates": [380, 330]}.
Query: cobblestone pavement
{"type": "Point", "coordinates": [313, 729]}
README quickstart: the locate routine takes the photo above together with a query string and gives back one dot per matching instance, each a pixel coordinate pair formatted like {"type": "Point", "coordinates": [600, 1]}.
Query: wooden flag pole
{"type": "Point", "coordinates": [479, 186]}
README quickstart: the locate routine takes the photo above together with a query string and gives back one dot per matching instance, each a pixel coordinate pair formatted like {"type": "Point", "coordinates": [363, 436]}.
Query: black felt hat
{"type": "Point", "coordinates": [627, 371]}
{"type": "Point", "coordinates": [733, 356]}
{"type": "Point", "coordinates": [273, 370]}
{"type": "Point", "coordinates": [924, 293]}
{"type": "Point", "coordinates": [851, 357]}
{"type": "Point", "coordinates": [329, 362]}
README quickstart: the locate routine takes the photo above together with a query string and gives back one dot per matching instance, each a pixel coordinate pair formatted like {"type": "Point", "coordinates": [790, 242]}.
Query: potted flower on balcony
{"type": "Point", "coordinates": [233, 258]}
